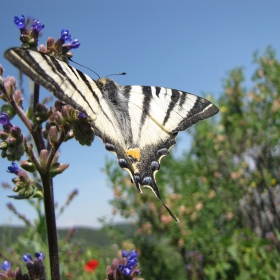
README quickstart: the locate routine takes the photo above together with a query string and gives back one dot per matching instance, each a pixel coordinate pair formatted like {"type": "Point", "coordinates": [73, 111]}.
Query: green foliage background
{"type": "Point", "coordinates": [224, 189]}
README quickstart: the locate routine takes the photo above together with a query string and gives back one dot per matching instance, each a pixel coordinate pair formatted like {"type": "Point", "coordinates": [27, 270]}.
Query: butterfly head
{"type": "Point", "coordinates": [106, 84]}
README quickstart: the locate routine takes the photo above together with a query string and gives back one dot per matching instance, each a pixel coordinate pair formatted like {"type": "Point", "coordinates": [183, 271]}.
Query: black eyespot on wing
{"type": "Point", "coordinates": [109, 147]}
{"type": "Point", "coordinates": [147, 181]}
{"type": "Point", "coordinates": [162, 152]}
{"type": "Point", "coordinates": [123, 163]}
{"type": "Point", "coordinates": [137, 178]}
{"type": "Point", "coordinates": [155, 165]}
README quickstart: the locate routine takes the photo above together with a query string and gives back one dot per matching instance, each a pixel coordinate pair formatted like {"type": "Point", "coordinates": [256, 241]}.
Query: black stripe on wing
{"type": "Point", "coordinates": [202, 109]}
{"type": "Point", "coordinates": [28, 62]}
{"type": "Point", "coordinates": [175, 96]}
{"type": "Point", "coordinates": [147, 93]}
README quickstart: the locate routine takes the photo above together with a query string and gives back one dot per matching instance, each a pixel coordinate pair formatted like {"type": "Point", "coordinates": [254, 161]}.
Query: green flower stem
{"type": "Point", "coordinates": [31, 155]}
{"type": "Point", "coordinates": [37, 135]}
{"type": "Point", "coordinates": [48, 196]}
{"type": "Point", "coordinates": [51, 224]}
{"type": "Point", "coordinates": [36, 96]}
{"type": "Point", "coordinates": [46, 181]}
{"type": "Point", "coordinates": [55, 149]}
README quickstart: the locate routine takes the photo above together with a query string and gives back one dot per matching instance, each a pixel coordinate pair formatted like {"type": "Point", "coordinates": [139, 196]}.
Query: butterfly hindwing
{"type": "Point", "coordinates": [137, 123]}
{"type": "Point", "coordinates": [157, 115]}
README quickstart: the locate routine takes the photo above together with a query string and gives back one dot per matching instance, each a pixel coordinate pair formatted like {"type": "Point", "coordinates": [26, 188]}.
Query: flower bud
{"type": "Point", "coordinates": [11, 140]}
{"type": "Point", "coordinates": [38, 194]}
{"type": "Point", "coordinates": [3, 135]}
{"type": "Point", "coordinates": [11, 80]}
{"type": "Point", "coordinates": [44, 157]}
{"type": "Point", "coordinates": [41, 114]}
{"type": "Point", "coordinates": [16, 132]}
{"type": "Point", "coordinates": [50, 42]}
{"type": "Point", "coordinates": [28, 165]}
{"type": "Point", "coordinates": [29, 113]}
{"type": "Point", "coordinates": [69, 135]}
{"type": "Point", "coordinates": [42, 49]}
{"type": "Point", "coordinates": [3, 145]}
{"type": "Point", "coordinates": [18, 98]}
{"type": "Point", "coordinates": [57, 168]}
{"type": "Point", "coordinates": [58, 118]}
{"type": "Point", "coordinates": [9, 87]}
{"type": "Point", "coordinates": [8, 109]}
{"type": "Point", "coordinates": [53, 133]}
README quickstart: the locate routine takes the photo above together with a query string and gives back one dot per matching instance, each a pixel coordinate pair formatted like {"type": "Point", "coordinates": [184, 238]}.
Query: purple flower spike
{"type": "Point", "coordinates": [14, 169]}
{"type": "Point", "coordinates": [131, 262]}
{"type": "Point", "coordinates": [6, 265]}
{"type": "Point", "coordinates": [37, 26]}
{"type": "Point", "coordinates": [4, 118]}
{"type": "Point", "coordinates": [126, 267]}
{"type": "Point", "coordinates": [65, 36]}
{"type": "Point", "coordinates": [20, 22]}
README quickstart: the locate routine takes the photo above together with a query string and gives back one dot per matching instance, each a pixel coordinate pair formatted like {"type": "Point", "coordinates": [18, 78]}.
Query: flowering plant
{"type": "Point", "coordinates": [61, 123]}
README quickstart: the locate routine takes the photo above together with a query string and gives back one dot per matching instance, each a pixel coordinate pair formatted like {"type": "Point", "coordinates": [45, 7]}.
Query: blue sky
{"type": "Point", "coordinates": [186, 45]}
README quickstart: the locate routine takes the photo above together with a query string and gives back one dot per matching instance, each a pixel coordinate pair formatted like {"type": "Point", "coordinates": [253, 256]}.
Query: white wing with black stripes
{"type": "Point", "coordinates": [137, 123]}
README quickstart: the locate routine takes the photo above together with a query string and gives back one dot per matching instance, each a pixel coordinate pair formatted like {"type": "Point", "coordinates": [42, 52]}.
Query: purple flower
{"type": "Point", "coordinates": [74, 44]}
{"type": "Point", "coordinates": [5, 265]}
{"type": "Point", "coordinates": [37, 26]}
{"type": "Point", "coordinates": [13, 169]}
{"type": "Point", "coordinates": [125, 267]}
{"type": "Point", "coordinates": [27, 257]}
{"type": "Point", "coordinates": [131, 262]}
{"type": "Point", "coordinates": [4, 118]}
{"type": "Point", "coordinates": [65, 36]}
{"type": "Point", "coordinates": [39, 256]}
{"type": "Point", "coordinates": [126, 271]}
{"type": "Point", "coordinates": [20, 22]}
{"type": "Point", "coordinates": [81, 115]}
{"type": "Point", "coordinates": [36, 268]}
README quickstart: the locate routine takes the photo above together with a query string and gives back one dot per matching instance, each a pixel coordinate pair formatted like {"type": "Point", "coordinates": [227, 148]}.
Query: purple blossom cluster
{"type": "Point", "coordinates": [36, 268]}
{"type": "Point", "coordinates": [124, 268]}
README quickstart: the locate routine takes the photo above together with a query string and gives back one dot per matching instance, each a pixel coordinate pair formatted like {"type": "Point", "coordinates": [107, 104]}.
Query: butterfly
{"type": "Point", "coordinates": [137, 123]}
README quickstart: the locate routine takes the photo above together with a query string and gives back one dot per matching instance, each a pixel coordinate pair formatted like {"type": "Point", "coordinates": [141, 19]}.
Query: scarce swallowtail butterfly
{"type": "Point", "coordinates": [137, 123]}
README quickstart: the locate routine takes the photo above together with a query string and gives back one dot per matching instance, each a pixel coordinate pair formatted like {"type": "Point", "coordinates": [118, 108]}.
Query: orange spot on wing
{"type": "Point", "coordinates": [135, 153]}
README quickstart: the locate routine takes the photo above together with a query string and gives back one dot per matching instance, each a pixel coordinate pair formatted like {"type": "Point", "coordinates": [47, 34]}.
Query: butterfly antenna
{"type": "Point", "coordinates": [122, 73]}
{"type": "Point", "coordinates": [85, 67]}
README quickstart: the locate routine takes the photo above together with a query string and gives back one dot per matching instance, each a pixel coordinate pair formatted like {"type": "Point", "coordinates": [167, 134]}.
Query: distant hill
{"type": "Point", "coordinates": [85, 236]}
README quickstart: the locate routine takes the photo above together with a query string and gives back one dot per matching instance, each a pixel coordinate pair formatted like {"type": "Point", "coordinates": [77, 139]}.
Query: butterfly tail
{"type": "Point", "coordinates": [170, 212]}
{"type": "Point", "coordinates": [153, 186]}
